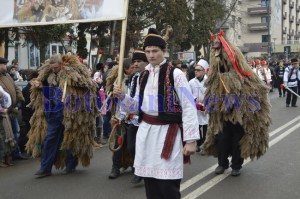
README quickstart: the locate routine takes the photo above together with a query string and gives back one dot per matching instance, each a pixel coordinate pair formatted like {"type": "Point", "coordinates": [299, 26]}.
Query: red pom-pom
{"type": "Point", "coordinates": [120, 140]}
{"type": "Point", "coordinates": [131, 115]}
{"type": "Point", "coordinates": [281, 85]}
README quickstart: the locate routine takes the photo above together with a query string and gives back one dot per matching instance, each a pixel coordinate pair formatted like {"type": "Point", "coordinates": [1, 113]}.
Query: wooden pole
{"type": "Point", "coordinates": [122, 46]}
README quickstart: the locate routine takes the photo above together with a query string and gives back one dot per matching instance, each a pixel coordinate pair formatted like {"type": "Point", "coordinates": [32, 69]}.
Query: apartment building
{"type": "Point", "coordinates": [264, 27]}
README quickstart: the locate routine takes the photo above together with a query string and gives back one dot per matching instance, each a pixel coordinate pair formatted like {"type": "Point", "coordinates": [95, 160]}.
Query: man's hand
{"type": "Point", "coordinates": [189, 148]}
{"type": "Point", "coordinates": [198, 101]}
{"type": "Point", "coordinates": [117, 92]}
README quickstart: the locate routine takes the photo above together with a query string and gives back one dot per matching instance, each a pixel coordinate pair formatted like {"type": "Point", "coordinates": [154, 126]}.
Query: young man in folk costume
{"type": "Point", "coordinates": [161, 98]}
{"type": "Point", "coordinates": [198, 91]}
{"type": "Point", "coordinates": [291, 78]}
{"type": "Point", "coordinates": [139, 61]}
{"type": "Point", "coordinates": [63, 123]}
{"type": "Point", "coordinates": [238, 106]}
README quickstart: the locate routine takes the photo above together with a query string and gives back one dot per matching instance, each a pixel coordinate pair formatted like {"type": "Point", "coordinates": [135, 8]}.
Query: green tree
{"type": "Point", "coordinates": [142, 14]}
{"type": "Point", "coordinates": [40, 36]}
{"type": "Point", "coordinates": [81, 43]}
{"type": "Point", "coordinates": [206, 15]}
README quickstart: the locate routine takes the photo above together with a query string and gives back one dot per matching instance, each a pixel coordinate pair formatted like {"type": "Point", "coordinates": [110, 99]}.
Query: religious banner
{"type": "Point", "coordinates": [44, 12]}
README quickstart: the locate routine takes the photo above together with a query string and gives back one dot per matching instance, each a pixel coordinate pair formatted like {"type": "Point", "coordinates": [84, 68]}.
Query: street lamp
{"type": "Point", "coordinates": [269, 28]}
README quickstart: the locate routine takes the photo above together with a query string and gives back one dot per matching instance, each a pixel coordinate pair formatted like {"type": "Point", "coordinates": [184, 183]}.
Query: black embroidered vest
{"type": "Point", "coordinates": [133, 84]}
{"type": "Point", "coordinates": [169, 108]}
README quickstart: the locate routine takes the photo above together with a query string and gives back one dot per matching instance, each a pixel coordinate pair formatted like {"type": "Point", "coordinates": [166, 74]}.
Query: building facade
{"type": "Point", "coordinates": [264, 28]}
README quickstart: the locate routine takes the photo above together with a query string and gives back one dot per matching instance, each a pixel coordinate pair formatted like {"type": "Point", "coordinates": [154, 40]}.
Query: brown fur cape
{"type": "Point", "coordinates": [79, 125]}
{"type": "Point", "coordinates": [254, 117]}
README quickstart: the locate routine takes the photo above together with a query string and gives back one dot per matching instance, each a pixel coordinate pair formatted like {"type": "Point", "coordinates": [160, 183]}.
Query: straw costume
{"type": "Point", "coordinates": [235, 94]}
{"type": "Point", "coordinates": [79, 111]}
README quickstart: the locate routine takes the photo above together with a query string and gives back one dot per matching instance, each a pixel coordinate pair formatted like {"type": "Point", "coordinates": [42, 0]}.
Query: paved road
{"type": "Point", "coordinates": [274, 176]}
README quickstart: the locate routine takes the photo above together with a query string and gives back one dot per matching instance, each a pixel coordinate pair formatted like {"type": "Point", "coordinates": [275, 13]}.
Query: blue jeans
{"type": "Point", "coordinates": [52, 142]}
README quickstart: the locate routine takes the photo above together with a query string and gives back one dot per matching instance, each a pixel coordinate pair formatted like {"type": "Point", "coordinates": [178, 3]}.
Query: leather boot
{"type": "Point", "coordinates": [8, 161]}
{"type": "Point", "coordinates": [98, 135]}
{"type": "Point", "coordinates": [115, 172]}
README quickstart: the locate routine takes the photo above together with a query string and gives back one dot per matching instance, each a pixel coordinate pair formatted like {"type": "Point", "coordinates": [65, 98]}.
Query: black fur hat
{"type": "Point", "coordinates": [139, 55]}
{"type": "Point", "coordinates": [3, 60]}
{"type": "Point", "coordinates": [154, 39]}
{"type": "Point", "coordinates": [294, 60]}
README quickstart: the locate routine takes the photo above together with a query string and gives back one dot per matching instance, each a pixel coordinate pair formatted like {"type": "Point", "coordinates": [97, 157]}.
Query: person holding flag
{"type": "Point", "coordinates": [167, 119]}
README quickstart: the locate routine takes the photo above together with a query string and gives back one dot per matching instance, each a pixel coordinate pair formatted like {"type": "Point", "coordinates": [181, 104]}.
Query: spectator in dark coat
{"type": "Point", "coordinates": [26, 112]}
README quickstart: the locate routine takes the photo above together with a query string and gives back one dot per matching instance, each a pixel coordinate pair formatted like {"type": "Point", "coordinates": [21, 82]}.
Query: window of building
{"type": "Point", "coordinates": [265, 19]}
{"type": "Point", "coordinates": [34, 55]}
{"type": "Point", "coordinates": [265, 3]}
{"type": "Point", "coordinates": [265, 38]}
{"type": "Point", "coordinates": [56, 48]}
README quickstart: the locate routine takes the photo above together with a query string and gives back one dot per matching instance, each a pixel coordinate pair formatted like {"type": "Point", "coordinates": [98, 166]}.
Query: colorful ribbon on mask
{"type": "Point", "coordinates": [231, 54]}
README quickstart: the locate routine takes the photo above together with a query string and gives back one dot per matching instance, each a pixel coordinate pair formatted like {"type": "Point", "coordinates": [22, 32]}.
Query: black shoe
{"type": "Point", "coordinates": [294, 106]}
{"type": "Point", "coordinates": [105, 137]}
{"type": "Point", "coordinates": [198, 149]}
{"type": "Point", "coordinates": [287, 105]}
{"type": "Point", "coordinates": [283, 95]}
{"type": "Point", "coordinates": [220, 170]}
{"type": "Point", "coordinates": [67, 171]}
{"type": "Point", "coordinates": [235, 172]}
{"type": "Point", "coordinates": [136, 179]}
{"type": "Point", "coordinates": [114, 173]}
{"type": "Point", "coordinates": [41, 173]}
{"type": "Point", "coordinates": [279, 95]}
{"type": "Point", "coordinates": [21, 157]}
